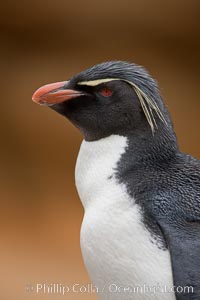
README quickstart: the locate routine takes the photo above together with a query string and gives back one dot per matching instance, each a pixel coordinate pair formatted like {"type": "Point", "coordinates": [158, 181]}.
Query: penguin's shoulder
{"type": "Point", "coordinates": [178, 192]}
{"type": "Point", "coordinates": [169, 188]}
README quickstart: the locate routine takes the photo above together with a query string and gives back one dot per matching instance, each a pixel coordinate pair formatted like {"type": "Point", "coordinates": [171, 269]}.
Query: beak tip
{"type": "Point", "coordinates": [38, 94]}
{"type": "Point", "coordinates": [35, 99]}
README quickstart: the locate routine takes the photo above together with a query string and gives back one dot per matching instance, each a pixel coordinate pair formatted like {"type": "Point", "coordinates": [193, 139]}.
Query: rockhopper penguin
{"type": "Point", "coordinates": [140, 236]}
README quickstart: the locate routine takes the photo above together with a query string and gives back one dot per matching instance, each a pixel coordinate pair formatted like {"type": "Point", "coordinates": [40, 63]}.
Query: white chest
{"type": "Point", "coordinates": [116, 247]}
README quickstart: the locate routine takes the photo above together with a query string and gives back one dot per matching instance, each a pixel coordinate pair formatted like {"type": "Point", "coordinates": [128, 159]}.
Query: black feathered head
{"type": "Point", "coordinates": [109, 98]}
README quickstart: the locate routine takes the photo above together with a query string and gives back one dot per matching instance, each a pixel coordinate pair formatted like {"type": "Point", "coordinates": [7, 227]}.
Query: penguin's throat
{"type": "Point", "coordinates": [96, 167]}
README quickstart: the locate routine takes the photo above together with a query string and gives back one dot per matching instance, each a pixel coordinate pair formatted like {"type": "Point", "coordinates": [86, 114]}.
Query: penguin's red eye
{"type": "Point", "coordinates": [106, 92]}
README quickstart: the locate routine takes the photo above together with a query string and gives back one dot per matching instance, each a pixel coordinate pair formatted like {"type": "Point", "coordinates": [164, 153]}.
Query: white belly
{"type": "Point", "coordinates": [118, 252]}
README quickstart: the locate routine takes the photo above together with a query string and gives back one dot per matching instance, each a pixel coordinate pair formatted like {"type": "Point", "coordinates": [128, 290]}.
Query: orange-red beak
{"type": "Point", "coordinates": [54, 93]}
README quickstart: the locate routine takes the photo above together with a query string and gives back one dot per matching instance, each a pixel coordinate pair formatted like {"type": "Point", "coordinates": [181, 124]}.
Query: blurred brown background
{"type": "Point", "coordinates": [48, 41]}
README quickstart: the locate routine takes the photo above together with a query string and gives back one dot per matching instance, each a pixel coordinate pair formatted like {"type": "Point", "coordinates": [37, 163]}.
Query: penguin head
{"type": "Point", "coordinates": [109, 98]}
